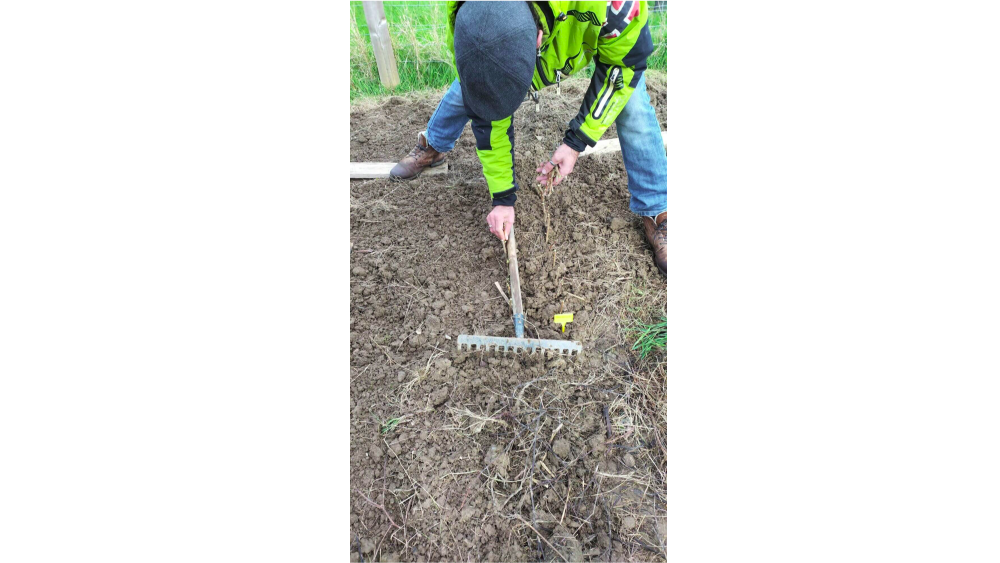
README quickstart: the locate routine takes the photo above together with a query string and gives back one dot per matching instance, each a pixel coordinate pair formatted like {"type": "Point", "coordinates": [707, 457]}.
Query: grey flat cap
{"type": "Point", "coordinates": [495, 54]}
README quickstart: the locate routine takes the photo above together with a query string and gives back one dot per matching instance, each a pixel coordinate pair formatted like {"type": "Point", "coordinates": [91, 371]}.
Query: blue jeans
{"type": "Point", "coordinates": [638, 132]}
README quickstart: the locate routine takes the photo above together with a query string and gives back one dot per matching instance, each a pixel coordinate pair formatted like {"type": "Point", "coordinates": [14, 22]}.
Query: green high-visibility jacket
{"type": "Point", "coordinates": [615, 35]}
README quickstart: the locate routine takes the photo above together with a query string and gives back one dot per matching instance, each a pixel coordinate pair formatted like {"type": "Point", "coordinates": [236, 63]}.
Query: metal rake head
{"type": "Point", "coordinates": [520, 346]}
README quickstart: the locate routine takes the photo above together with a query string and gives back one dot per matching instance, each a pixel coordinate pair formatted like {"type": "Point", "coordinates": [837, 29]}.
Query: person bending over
{"type": "Point", "coordinates": [505, 50]}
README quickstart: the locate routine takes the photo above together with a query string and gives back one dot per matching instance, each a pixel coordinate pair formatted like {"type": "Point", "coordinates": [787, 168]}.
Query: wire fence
{"type": "Point", "coordinates": [442, 26]}
{"type": "Point", "coordinates": [654, 5]}
{"type": "Point", "coordinates": [400, 12]}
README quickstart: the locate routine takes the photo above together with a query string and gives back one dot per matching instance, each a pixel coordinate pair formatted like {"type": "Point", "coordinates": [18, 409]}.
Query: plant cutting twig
{"type": "Point", "coordinates": [505, 298]}
{"type": "Point", "coordinates": [544, 190]}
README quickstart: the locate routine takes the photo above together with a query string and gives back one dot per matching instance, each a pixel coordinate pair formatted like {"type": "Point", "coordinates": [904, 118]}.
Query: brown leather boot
{"type": "Point", "coordinates": [422, 156]}
{"type": "Point", "coordinates": [656, 234]}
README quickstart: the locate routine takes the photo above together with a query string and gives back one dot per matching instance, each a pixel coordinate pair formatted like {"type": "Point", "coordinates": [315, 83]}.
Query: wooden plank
{"type": "Point", "coordinates": [361, 170]}
{"type": "Point", "coordinates": [603, 147]}
{"type": "Point", "coordinates": [612, 145]}
{"type": "Point", "coordinates": [378, 31]}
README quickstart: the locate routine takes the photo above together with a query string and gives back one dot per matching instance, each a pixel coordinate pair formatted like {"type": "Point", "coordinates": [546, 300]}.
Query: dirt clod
{"type": "Point", "coordinates": [561, 448]}
{"type": "Point", "coordinates": [367, 545]}
{"type": "Point", "coordinates": [597, 444]}
{"type": "Point", "coordinates": [440, 396]}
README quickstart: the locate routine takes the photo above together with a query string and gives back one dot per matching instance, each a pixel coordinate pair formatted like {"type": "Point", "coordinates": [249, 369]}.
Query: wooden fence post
{"type": "Point", "coordinates": [378, 30]}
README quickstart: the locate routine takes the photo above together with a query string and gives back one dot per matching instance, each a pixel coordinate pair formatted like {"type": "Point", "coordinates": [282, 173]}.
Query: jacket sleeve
{"type": "Point", "coordinates": [622, 49]}
{"type": "Point", "coordinates": [495, 148]}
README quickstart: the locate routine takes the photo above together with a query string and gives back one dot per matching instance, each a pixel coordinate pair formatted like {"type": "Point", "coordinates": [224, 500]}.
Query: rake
{"type": "Point", "coordinates": [519, 344]}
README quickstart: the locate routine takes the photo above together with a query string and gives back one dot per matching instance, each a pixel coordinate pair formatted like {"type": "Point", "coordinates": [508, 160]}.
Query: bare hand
{"type": "Point", "coordinates": [564, 158]}
{"type": "Point", "coordinates": [501, 221]}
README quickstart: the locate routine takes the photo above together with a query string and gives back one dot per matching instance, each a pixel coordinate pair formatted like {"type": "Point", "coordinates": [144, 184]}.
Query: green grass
{"type": "Point", "coordinates": [419, 40]}
{"type": "Point", "coordinates": [387, 426]}
{"type": "Point", "coordinates": [642, 316]}
{"type": "Point", "coordinates": [651, 337]}
{"type": "Point", "coordinates": [658, 27]}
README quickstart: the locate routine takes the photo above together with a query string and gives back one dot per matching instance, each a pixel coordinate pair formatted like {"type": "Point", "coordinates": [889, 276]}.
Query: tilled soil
{"type": "Point", "coordinates": [463, 456]}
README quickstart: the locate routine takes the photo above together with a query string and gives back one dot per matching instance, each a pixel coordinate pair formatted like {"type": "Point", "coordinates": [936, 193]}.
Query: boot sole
{"type": "Point", "coordinates": [417, 175]}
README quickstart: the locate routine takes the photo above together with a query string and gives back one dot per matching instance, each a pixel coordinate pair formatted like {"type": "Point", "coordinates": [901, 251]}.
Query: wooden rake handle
{"type": "Point", "coordinates": [515, 285]}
